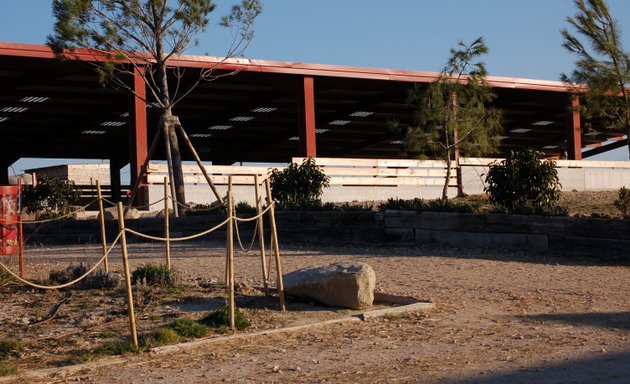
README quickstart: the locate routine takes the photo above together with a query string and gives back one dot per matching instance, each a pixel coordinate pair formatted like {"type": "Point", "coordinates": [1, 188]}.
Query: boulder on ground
{"type": "Point", "coordinates": [346, 285]}
{"type": "Point", "coordinates": [111, 213]}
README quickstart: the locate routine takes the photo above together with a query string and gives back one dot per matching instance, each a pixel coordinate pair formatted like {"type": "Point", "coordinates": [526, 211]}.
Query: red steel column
{"type": "Point", "coordinates": [574, 131]}
{"type": "Point", "coordinates": [138, 136]}
{"type": "Point", "coordinates": [308, 145]}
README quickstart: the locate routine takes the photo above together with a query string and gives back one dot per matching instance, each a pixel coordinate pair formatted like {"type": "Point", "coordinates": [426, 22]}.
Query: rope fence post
{"type": "Point", "coordinates": [167, 229]}
{"type": "Point", "coordinates": [261, 237]}
{"type": "Point", "coordinates": [101, 211]}
{"type": "Point", "coordinates": [123, 245]}
{"type": "Point", "coordinates": [230, 253]}
{"type": "Point", "coordinates": [274, 243]}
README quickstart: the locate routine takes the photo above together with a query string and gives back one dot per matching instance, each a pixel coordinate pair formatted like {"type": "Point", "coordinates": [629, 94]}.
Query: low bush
{"type": "Point", "coordinates": [221, 319]}
{"type": "Point", "coordinates": [298, 184]}
{"type": "Point", "coordinates": [97, 280]}
{"type": "Point", "coordinates": [525, 183]}
{"type": "Point", "coordinates": [154, 275]}
{"type": "Point", "coordinates": [622, 203]}
{"type": "Point", "coordinates": [161, 336]}
{"type": "Point", "coordinates": [437, 205]}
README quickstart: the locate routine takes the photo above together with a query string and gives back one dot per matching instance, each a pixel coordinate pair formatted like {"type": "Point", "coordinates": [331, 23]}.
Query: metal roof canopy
{"type": "Point", "coordinates": [58, 109]}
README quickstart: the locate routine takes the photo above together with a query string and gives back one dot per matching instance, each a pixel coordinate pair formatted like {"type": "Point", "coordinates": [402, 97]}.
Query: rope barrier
{"type": "Point", "coordinates": [254, 217]}
{"type": "Point", "coordinates": [212, 208]}
{"type": "Point", "coordinates": [157, 238]}
{"type": "Point", "coordinates": [53, 219]}
{"type": "Point", "coordinates": [34, 285]}
{"type": "Point", "coordinates": [238, 233]}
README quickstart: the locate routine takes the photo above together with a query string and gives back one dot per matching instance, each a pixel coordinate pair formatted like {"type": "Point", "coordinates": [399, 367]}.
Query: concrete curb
{"type": "Point", "coordinates": [407, 306]}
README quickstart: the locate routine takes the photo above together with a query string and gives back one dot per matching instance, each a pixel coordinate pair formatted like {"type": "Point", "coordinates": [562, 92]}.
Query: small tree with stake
{"type": "Point", "coordinates": [128, 37]}
{"type": "Point", "coordinates": [602, 65]}
{"type": "Point", "coordinates": [453, 113]}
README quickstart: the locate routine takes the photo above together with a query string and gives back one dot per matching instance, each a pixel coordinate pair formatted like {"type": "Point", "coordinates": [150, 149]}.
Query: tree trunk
{"type": "Point", "coordinates": [169, 123]}
{"type": "Point", "coordinates": [448, 177]}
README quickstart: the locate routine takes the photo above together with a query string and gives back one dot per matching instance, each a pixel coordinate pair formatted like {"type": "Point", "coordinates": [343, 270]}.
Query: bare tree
{"type": "Point", "coordinates": [127, 37]}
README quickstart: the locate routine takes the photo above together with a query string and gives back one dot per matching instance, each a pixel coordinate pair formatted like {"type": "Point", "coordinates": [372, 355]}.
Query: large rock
{"type": "Point", "coordinates": [339, 284]}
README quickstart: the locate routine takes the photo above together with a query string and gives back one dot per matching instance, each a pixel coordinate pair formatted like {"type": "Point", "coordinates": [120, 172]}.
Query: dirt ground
{"type": "Point", "coordinates": [500, 317]}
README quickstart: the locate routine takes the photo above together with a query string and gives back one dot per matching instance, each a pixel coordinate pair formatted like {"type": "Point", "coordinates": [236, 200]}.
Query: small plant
{"type": "Point", "coordinates": [623, 202]}
{"type": "Point", "coordinates": [299, 184]}
{"type": "Point", "coordinates": [244, 207]}
{"type": "Point", "coordinates": [221, 318]}
{"type": "Point", "coordinates": [97, 280]}
{"type": "Point", "coordinates": [402, 204]}
{"type": "Point", "coordinates": [154, 275]}
{"type": "Point", "coordinates": [5, 277]}
{"type": "Point", "coordinates": [52, 196]}
{"type": "Point", "coordinates": [524, 183]}
{"type": "Point", "coordinates": [189, 328]}
{"type": "Point", "coordinates": [9, 347]}
{"type": "Point", "coordinates": [7, 368]}
{"type": "Point", "coordinates": [161, 336]}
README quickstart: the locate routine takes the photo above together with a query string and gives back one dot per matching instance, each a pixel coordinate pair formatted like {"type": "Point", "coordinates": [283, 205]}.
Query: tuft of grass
{"type": "Point", "coordinates": [107, 334]}
{"type": "Point", "coordinates": [161, 336]}
{"type": "Point", "coordinates": [9, 347]}
{"type": "Point", "coordinates": [97, 280]}
{"type": "Point", "coordinates": [189, 328]}
{"type": "Point", "coordinates": [80, 356]}
{"type": "Point", "coordinates": [154, 275]}
{"type": "Point", "coordinates": [5, 277]}
{"type": "Point", "coordinates": [7, 368]}
{"type": "Point", "coordinates": [221, 319]}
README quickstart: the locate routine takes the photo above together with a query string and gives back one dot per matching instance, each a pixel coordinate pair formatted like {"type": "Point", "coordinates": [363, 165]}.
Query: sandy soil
{"type": "Point", "coordinates": [499, 317]}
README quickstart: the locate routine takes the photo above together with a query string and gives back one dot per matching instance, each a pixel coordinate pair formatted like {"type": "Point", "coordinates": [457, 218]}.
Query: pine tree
{"type": "Point", "coordinates": [143, 37]}
{"type": "Point", "coordinates": [602, 66]}
{"type": "Point", "coordinates": [453, 113]}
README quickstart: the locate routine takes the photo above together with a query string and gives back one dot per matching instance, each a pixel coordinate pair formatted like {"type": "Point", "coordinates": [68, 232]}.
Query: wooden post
{"type": "Point", "coordinates": [167, 229]}
{"type": "Point", "coordinates": [274, 243]}
{"type": "Point", "coordinates": [229, 213]}
{"type": "Point", "coordinates": [230, 254]}
{"type": "Point", "coordinates": [261, 236]}
{"type": "Point", "coordinates": [21, 245]}
{"type": "Point", "coordinates": [123, 245]}
{"type": "Point", "coordinates": [101, 211]}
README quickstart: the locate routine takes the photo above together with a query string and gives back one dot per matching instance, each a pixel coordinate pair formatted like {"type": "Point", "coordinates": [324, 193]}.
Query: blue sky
{"type": "Point", "coordinates": [523, 35]}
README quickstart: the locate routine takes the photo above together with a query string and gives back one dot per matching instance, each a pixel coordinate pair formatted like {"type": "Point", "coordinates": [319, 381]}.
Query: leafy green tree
{"type": "Point", "coordinates": [453, 113]}
{"type": "Point", "coordinates": [602, 65]}
{"type": "Point", "coordinates": [524, 183]}
{"type": "Point", "coordinates": [51, 195]}
{"type": "Point", "coordinates": [143, 37]}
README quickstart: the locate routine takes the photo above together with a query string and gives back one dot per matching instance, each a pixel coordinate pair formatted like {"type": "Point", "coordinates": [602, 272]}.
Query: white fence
{"type": "Point", "coordinates": [380, 179]}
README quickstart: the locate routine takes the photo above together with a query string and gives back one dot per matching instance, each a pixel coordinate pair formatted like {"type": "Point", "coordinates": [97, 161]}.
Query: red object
{"type": "Point", "coordinates": [138, 136]}
{"type": "Point", "coordinates": [574, 145]}
{"type": "Point", "coordinates": [9, 219]}
{"type": "Point", "coordinates": [308, 144]}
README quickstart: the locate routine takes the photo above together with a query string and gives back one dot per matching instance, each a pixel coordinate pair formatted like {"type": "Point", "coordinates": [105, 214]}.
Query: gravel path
{"type": "Point", "coordinates": [499, 318]}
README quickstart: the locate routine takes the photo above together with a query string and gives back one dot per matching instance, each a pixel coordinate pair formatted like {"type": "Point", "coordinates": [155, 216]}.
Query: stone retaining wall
{"type": "Point", "coordinates": [593, 236]}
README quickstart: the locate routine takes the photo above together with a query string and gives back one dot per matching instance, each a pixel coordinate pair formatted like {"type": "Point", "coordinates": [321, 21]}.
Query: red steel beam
{"type": "Point", "coordinates": [308, 144]}
{"type": "Point", "coordinates": [303, 69]}
{"type": "Point", "coordinates": [574, 131]}
{"type": "Point", "coordinates": [138, 137]}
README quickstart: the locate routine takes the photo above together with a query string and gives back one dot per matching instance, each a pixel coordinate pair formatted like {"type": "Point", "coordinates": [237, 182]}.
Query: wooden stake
{"type": "Point", "coordinates": [99, 195]}
{"type": "Point", "coordinates": [274, 243]}
{"type": "Point", "coordinates": [261, 236]}
{"type": "Point", "coordinates": [230, 254]}
{"type": "Point", "coordinates": [167, 229]}
{"type": "Point", "coordinates": [123, 245]}
{"type": "Point", "coordinates": [192, 150]}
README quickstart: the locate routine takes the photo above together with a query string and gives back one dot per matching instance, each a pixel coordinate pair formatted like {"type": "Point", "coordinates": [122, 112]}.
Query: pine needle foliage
{"type": "Point", "coordinates": [454, 113]}
{"type": "Point", "coordinates": [602, 65]}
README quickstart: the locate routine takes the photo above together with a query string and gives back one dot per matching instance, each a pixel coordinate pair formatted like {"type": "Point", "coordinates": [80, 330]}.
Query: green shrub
{"type": "Point", "coordinates": [5, 277]}
{"type": "Point", "coordinates": [524, 183]}
{"type": "Point", "coordinates": [244, 207]}
{"type": "Point", "coordinates": [161, 336]}
{"type": "Point", "coordinates": [221, 318]}
{"type": "Point", "coordinates": [154, 275]}
{"type": "Point", "coordinates": [298, 184]}
{"type": "Point", "coordinates": [402, 204]}
{"type": "Point", "coordinates": [189, 328]}
{"type": "Point", "coordinates": [9, 347]}
{"type": "Point", "coordinates": [97, 280]}
{"type": "Point", "coordinates": [623, 202]}
{"type": "Point", "coordinates": [51, 195]}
